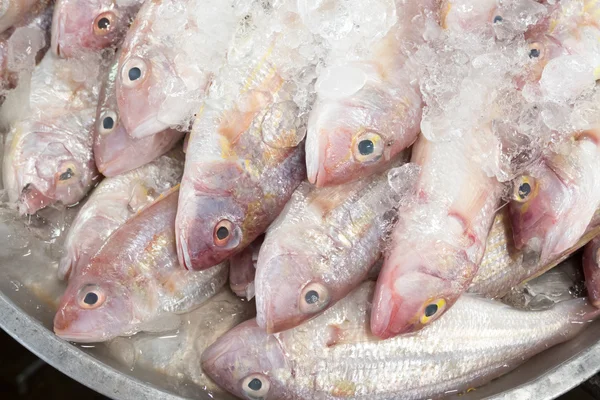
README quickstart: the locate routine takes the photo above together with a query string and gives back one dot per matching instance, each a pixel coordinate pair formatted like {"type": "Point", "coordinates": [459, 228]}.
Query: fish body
{"type": "Point", "coordinates": [245, 155]}
{"type": "Point", "coordinates": [338, 234]}
{"type": "Point", "coordinates": [111, 204]}
{"type": "Point", "coordinates": [439, 240]}
{"type": "Point", "coordinates": [591, 270]}
{"type": "Point", "coordinates": [168, 59]}
{"type": "Point", "coordinates": [242, 270]}
{"type": "Point", "coordinates": [369, 105]}
{"type": "Point", "coordinates": [503, 266]}
{"type": "Point", "coordinates": [115, 150]}
{"type": "Point", "coordinates": [134, 282]}
{"type": "Point", "coordinates": [13, 12]}
{"type": "Point", "coordinates": [90, 25]}
{"type": "Point", "coordinates": [176, 356]}
{"type": "Point", "coordinates": [48, 157]}
{"type": "Point", "coordinates": [336, 356]}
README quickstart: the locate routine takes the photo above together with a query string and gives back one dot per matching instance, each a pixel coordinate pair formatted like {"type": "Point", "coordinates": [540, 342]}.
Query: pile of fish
{"type": "Point", "coordinates": [376, 174]}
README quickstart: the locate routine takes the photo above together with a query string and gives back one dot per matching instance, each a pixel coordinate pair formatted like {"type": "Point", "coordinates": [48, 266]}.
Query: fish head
{"type": "Point", "coordinates": [537, 202]}
{"type": "Point", "coordinates": [93, 310]}
{"type": "Point", "coordinates": [143, 68]}
{"type": "Point", "coordinates": [413, 294]}
{"type": "Point", "coordinates": [360, 135]}
{"type": "Point", "coordinates": [244, 361]}
{"type": "Point", "coordinates": [50, 172]}
{"type": "Point", "coordinates": [87, 26]}
{"type": "Point", "coordinates": [209, 230]}
{"type": "Point", "coordinates": [289, 290]}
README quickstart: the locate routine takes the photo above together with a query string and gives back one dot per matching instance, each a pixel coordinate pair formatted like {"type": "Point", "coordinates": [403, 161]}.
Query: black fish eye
{"type": "Point", "coordinates": [103, 23]}
{"type": "Point", "coordinates": [366, 147]}
{"type": "Point", "coordinates": [431, 310]}
{"type": "Point", "coordinates": [311, 297]}
{"type": "Point", "coordinates": [108, 123]}
{"type": "Point", "coordinates": [91, 298]}
{"type": "Point", "coordinates": [68, 174]}
{"type": "Point", "coordinates": [255, 384]}
{"type": "Point", "coordinates": [497, 19]}
{"type": "Point", "coordinates": [134, 74]}
{"type": "Point", "coordinates": [222, 233]}
{"type": "Point", "coordinates": [534, 53]}
{"type": "Point", "coordinates": [524, 190]}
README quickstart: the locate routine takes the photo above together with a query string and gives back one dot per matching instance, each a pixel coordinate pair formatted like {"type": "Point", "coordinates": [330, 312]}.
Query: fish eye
{"type": "Point", "coordinates": [314, 297]}
{"type": "Point", "coordinates": [497, 19]}
{"type": "Point", "coordinates": [104, 23]}
{"type": "Point", "coordinates": [524, 189]}
{"type": "Point", "coordinates": [535, 50]}
{"type": "Point", "coordinates": [367, 147]}
{"type": "Point", "coordinates": [66, 173]}
{"type": "Point", "coordinates": [256, 386]}
{"type": "Point", "coordinates": [432, 310]}
{"type": "Point", "coordinates": [91, 297]}
{"type": "Point", "coordinates": [226, 234]}
{"type": "Point", "coordinates": [108, 121]}
{"type": "Point", "coordinates": [134, 72]}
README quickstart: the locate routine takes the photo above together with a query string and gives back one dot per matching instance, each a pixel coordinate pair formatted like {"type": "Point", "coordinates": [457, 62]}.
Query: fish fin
{"type": "Point", "coordinates": [349, 332]}
{"type": "Point", "coordinates": [141, 195]}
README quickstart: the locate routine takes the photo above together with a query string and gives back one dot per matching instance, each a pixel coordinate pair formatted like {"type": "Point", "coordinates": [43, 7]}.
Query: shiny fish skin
{"type": "Point", "coordinates": [134, 281]}
{"type": "Point", "coordinates": [177, 46]}
{"type": "Point", "coordinates": [326, 241]}
{"type": "Point", "coordinates": [335, 356]}
{"type": "Point", "coordinates": [13, 12]}
{"type": "Point", "coordinates": [111, 204]}
{"type": "Point", "coordinates": [383, 107]}
{"type": "Point", "coordinates": [591, 270]}
{"type": "Point", "coordinates": [439, 241]}
{"type": "Point", "coordinates": [115, 151]}
{"type": "Point", "coordinates": [90, 25]}
{"type": "Point", "coordinates": [242, 269]}
{"type": "Point", "coordinates": [245, 155]}
{"type": "Point", "coordinates": [503, 266]}
{"type": "Point", "coordinates": [176, 356]}
{"type": "Point", "coordinates": [49, 156]}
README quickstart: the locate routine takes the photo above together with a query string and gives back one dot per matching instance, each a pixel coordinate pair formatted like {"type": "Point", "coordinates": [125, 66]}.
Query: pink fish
{"type": "Point", "coordinates": [135, 282]}
{"type": "Point", "coordinates": [13, 12]}
{"type": "Point", "coordinates": [369, 107]}
{"type": "Point", "coordinates": [242, 269]}
{"type": "Point", "coordinates": [115, 150]}
{"type": "Point", "coordinates": [90, 25]}
{"type": "Point", "coordinates": [49, 156]}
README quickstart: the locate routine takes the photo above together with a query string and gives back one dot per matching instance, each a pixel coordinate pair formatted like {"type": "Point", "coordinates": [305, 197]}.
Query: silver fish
{"type": "Point", "coordinates": [336, 356]}
{"type": "Point", "coordinates": [112, 203]}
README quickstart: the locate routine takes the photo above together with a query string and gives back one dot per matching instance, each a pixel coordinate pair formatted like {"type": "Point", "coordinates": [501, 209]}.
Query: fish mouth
{"type": "Point", "coordinates": [32, 200]}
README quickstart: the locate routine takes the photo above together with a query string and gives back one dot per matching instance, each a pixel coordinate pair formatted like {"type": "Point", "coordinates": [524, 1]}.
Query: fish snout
{"type": "Point", "coordinates": [32, 200]}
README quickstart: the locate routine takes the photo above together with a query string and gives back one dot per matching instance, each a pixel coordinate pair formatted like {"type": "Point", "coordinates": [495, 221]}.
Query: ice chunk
{"type": "Point", "coordinates": [554, 83]}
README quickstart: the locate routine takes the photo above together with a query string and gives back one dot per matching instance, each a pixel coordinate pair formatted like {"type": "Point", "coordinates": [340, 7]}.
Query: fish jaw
{"type": "Point", "coordinates": [32, 200]}
{"type": "Point", "coordinates": [244, 353]}
{"type": "Point", "coordinates": [401, 298]}
{"type": "Point", "coordinates": [75, 321]}
{"type": "Point", "coordinates": [278, 302]}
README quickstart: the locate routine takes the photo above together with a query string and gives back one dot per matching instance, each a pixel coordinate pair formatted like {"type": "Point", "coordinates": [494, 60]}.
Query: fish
{"type": "Point", "coordinates": [369, 106]}
{"type": "Point", "coordinates": [115, 150]}
{"type": "Point", "coordinates": [114, 201]}
{"type": "Point", "coordinates": [13, 12]}
{"type": "Point", "coordinates": [503, 266]}
{"type": "Point", "coordinates": [321, 247]}
{"type": "Point", "coordinates": [22, 47]}
{"type": "Point", "coordinates": [90, 25]}
{"type": "Point", "coordinates": [48, 157]}
{"type": "Point", "coordinates": [440, 239]}
{"type": "Point", "coordinates": [591, 270]}
{"type": "Point", "coordinates": [553, 202]}
{"type": "Point", "coordinates": [242, 270]}
{"type": "Point", "coordinates": [176, 356]}
{"type": "Point", "coordinates": [168, 59]}
{"type": "Point", "coordinates": [336, 356]}
{"type": "Point", "coordinates": [135, 283]}
{"type": "Point", "coordinates": [245, 154]}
